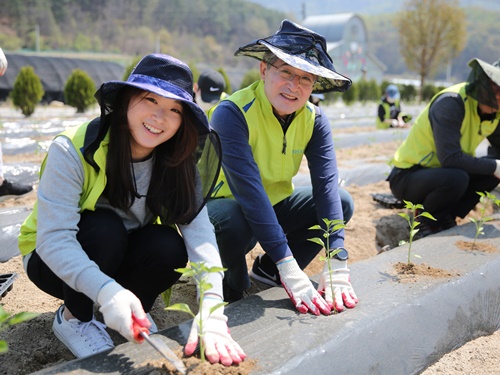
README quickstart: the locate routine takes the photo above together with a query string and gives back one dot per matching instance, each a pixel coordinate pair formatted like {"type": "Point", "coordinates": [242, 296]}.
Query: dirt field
{"type": "Point", "coordinates": [32, 345]}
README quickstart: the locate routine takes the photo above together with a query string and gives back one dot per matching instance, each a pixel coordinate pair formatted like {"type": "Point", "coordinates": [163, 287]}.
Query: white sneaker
{"type": "Point", "coordinates": [154, 327]}
{"type": "Point", "coordinates": [82, 338]}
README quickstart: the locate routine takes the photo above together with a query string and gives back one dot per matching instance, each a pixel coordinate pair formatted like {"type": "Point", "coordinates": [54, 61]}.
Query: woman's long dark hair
{"type": "Point", "coordinates": [171, 194]}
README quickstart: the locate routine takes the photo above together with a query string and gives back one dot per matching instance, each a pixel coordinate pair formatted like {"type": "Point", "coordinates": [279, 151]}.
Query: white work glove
{"type": "Point", "coordinates": [117, 306]}
{"type": "Point", "coordinates": [219, 345]}
{"type": "Point", "coordinates": [497, 170]}
{"type": "Point", "coordinates": [339, 280]}
{"type": "Point", "coordinates": [300, 289]}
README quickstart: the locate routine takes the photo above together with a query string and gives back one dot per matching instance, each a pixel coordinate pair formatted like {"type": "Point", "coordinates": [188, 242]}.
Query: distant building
{"type": "Point", "coordinates": [347, 44]}
{"type": "Point", "coordinates": [54, 72]}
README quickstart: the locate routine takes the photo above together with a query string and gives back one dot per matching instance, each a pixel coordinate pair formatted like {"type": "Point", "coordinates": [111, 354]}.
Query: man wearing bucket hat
{"type": "Point", "coordinates": [265, 131]}
{"type": "Point", "coordinates": [389, 114]}
{"type": "Point", "coordinates": [114, 192]}
{"type": "Point", "coordinates": [436, 165]}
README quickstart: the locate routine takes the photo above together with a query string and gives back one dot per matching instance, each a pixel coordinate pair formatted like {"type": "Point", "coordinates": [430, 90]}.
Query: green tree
{"type": "Point", "coordinates": [194, 70]}
{"type": "Point", "coordinates": [27, 91]}
{"type": "Point", "coordinates": [373, 94]}
{"type": "Point", "coordinates": [408, 93]}
{"type": "Point", "coordinates": [228, 89]}
{"type": "Point", "coordinates": [363, 94]}
{"type": "Point", "coordinates": [428, 92]}
{"type": "Point", "coordinates": [79, 90]}
{"type": "Point", "coordinates": [431, 33]}
{"type": "Point", "coordinates": [351, 95]}
{"type": "Point", "coordinates": [250, 77]}
{"type": "Point", "coordinates": [131, 67]}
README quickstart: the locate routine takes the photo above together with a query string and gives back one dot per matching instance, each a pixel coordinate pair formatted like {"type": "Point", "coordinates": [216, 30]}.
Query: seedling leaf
{"type": "Point", "coordinates": [180, 307]}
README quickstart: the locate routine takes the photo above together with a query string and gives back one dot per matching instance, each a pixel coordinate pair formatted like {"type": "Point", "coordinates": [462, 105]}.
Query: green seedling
{"type": "Point", "coordinates": [331, 227]}
{"type": "Point", "coordinates": [199, 272]}
{"type": "Point", "coordinates": [7, 320]}
{"type": "Point", "coordinates": [413, 223]}
{"type": "Point", "coordinates": [485, 200]}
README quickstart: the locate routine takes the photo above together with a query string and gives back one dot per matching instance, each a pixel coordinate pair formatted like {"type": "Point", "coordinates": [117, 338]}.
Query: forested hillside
{"type": "Point", "coordinates": [195, 30]}
{"type": "Point", "coordinates": [209, 31]}
{"type": "Point", "coordinates": [302, 8]}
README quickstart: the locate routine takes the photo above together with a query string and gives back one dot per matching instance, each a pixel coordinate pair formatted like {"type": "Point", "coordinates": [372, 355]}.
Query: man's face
{"type": "Point", "coordinates": [488, 109]}
{"type": "Point", "coordinates": [286, 95]}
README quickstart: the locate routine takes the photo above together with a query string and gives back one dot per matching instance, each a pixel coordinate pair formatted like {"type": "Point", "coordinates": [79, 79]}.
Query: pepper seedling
{"type": "Point", "coordinates": [416, 210]}
{"type": "Point", "coordinates": [485, 200]}
{"type": "Point", "coordinates": [331, 227]}
{"type": "Point", "coordinates": [199, 272]}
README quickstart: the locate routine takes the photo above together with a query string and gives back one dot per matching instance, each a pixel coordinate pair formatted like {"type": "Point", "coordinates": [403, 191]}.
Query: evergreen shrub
{"type": "Point", "coordinates": [28, 91]}
{"type": "Point", "coordinates": [79, 90]}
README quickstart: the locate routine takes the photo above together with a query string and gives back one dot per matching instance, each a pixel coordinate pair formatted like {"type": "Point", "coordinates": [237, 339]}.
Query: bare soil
{"type": "Point", "coordinates": [32, 345]}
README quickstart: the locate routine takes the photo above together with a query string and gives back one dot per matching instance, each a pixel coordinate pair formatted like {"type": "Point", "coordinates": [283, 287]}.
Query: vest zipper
{"type": "Point", "coordinates": [283, 151]}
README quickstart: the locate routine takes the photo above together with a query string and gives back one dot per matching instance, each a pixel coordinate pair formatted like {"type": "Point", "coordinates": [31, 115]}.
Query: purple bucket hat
{"type": "Point", "coordinates": [162, 75]}
{"type": "Point", "coordinates": [303, 49]}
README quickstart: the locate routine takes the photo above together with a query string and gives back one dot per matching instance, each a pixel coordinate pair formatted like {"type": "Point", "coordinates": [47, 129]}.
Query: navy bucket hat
{"type": "Point", "coordinates": [303, 49]}
{"type": "Point", "coordinates": [162, 75]}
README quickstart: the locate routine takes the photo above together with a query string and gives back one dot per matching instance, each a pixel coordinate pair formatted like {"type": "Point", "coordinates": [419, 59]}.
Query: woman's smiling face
{"type": "Point", "coordinates": [152, 120]}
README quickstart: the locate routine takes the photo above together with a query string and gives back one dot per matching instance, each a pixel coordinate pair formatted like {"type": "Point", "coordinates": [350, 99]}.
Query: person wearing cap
{"type": "Point", "coordinates": [389, 110]}
{"type": "Point", "coordinates": [316, 99]}
{"type": "Point", "coordinates": [266, 129]}
{"type": "Point", "coordinates": [436, 165]}
{"type": "Point", "coordinates": [9, 187]}
{"type": "Point", "coordinates": [114, 194]}
{"type": "Point", "coordinates": [209, 89]}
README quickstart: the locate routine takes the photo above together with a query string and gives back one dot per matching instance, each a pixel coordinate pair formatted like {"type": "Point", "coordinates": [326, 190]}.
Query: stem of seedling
{"type": "Point", "coordinates": [199, 272]}
{"type": "Point", "coordinates": [485, 200]}
{"type": "Point", "coordinates": [413, 223]}
{"type": "Point", "coordinates": [331, 227]}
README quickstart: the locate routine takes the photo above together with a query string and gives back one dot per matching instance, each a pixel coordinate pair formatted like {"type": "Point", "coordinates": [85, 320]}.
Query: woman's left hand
{"type": "Point", "coordinates": [219, 345]}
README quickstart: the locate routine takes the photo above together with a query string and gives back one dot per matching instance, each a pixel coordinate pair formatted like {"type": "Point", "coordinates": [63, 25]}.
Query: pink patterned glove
{"type": "Point", "coordinates": [300, 289]}
{"type": "Point", "coordinates": [339, 280]}
{"type": "Point", "coordinates": [219, 345]}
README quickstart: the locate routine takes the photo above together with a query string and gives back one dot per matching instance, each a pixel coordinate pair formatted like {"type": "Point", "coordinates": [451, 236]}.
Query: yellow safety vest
{"type": "Point", "coordinates": [419, 146]}
{"type": "Point", "coordinates": [94, 184]}
{"type": "Point", "coordinates": [267, 141]}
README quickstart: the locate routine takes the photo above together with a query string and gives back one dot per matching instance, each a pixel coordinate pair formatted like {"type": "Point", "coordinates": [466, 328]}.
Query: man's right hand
{"type": "Point", "coordinates": [300, 289]}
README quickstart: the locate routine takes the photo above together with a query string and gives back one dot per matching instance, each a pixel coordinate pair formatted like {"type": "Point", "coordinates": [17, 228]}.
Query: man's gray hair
{"type": "Point", "coordinates": [269, 58]}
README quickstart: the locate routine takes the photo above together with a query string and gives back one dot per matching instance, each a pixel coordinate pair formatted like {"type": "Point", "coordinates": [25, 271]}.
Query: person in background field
{"type": "Point", "coordinates": [105, 187]}
{"type": "Point", "coordinates": [389, 110]}
{"type": "Point", "coordinates": [316, 99]}
{"type": "Point", "coordinates": [7, 187]}
{"type": "Point", "coordinates": [265, 130]}
{"type": "Point", "coordinates": [209, 89]}
{"type": "Point", "coordinates": [436, 165]}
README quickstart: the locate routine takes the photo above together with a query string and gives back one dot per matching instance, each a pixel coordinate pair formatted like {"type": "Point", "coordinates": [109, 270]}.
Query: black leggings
{"type": "Point", "coordinates": [442, 191]}
{"type": "Point", "coordinates": [142, 261]}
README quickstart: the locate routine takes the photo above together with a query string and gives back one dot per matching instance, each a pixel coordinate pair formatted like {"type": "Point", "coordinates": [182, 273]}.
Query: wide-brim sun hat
{"type": "Point", "coordinates": [478, 83]}
{"type": "Point", "coordinates": [162, 75]}
{"type": "Point", "coordinates": [303, 49]}
{"type": "Point", "coordinates": [491, 70]}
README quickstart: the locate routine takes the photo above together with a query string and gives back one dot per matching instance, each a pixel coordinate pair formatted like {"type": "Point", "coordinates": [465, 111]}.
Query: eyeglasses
{"type": "Point", "coordinates": [286, 75]}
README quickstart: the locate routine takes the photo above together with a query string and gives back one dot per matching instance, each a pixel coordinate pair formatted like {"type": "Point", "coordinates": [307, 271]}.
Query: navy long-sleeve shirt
{"type": "Point", "coordinates": [242, 174]}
